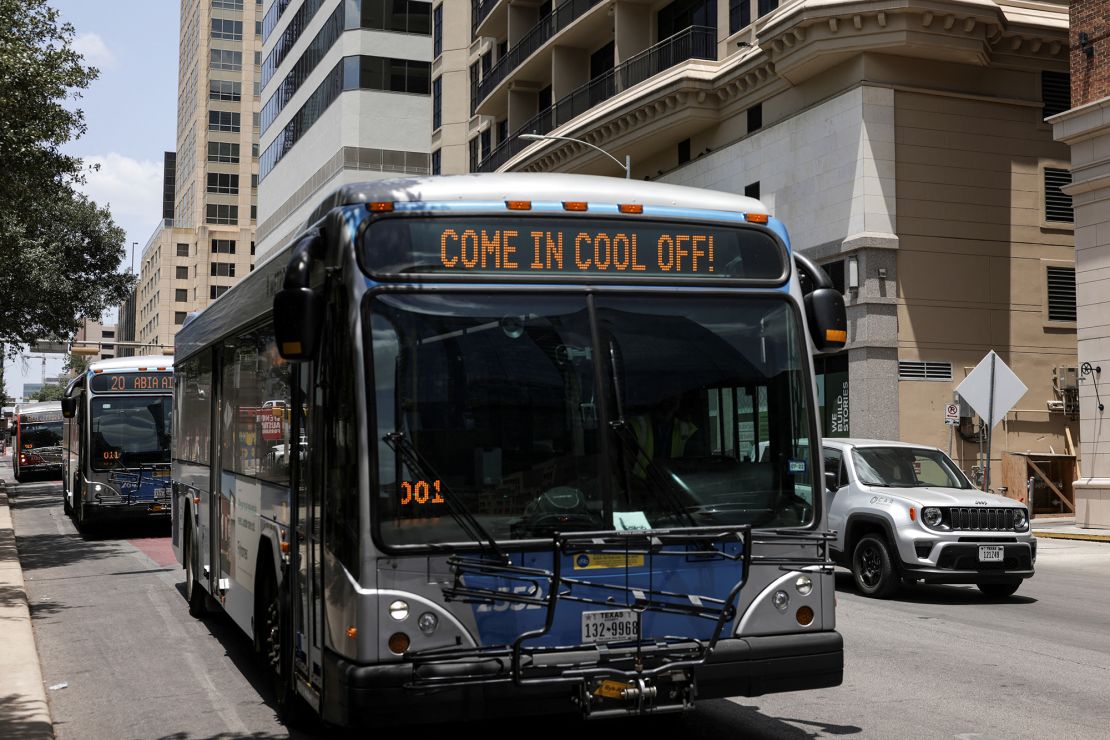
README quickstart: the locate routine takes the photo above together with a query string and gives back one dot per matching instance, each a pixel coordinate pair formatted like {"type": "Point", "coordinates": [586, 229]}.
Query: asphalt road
{"type": "Point", "coordinates": [939, 661]}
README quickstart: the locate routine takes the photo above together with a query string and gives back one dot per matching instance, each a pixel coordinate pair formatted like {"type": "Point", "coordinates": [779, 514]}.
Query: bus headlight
{"type": "Point", "coordinates": [804, 584]}
{"type": "Point", "coordinates": [399, 610]}
{"type": "Point", "coordinates": [427, 623]}
{"type": "Point", "coordinates": [931, 516]}
{"type": "Point", "coordinates": [781, 600]}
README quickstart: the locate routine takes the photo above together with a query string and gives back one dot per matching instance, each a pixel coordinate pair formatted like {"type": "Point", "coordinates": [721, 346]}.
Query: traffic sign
{"type": "Point", "coordinates": [952, 414]}
{"type": "Point", "coordinates": [991, 389]}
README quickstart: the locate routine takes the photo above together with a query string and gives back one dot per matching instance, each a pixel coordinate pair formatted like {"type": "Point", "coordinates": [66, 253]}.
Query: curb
{"type": "Point", "coordinates": [1071, 536]}
{"type": "Point", "coordinates": [24, 710]}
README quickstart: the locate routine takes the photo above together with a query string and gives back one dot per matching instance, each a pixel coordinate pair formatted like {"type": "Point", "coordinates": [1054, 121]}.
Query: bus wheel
{"type": "Point", "coordinates": [273, 638]}
{"type": "Point", "coordinates": [67, 491]}
{"type": "Point", "coordinates": [194, 594]}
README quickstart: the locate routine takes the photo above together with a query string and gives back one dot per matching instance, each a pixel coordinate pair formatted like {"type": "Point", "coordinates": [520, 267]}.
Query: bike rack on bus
{"type": "Point", "coordinates": [148, 484]}
{"type": "Point", "coordinates": [636, 664]}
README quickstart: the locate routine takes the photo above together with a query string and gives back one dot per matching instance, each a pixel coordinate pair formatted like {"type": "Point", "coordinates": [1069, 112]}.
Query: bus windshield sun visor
{"type": "Point", "coordinates": [539, 247]}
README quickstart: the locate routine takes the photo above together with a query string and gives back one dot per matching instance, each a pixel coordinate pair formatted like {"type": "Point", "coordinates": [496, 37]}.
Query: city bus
{"type": "Point", "coordinates": [117, 440]}
{"type": "Point", "coordinates": [37, 441]}
{"type": "Point", "coordinates": [481, 445]}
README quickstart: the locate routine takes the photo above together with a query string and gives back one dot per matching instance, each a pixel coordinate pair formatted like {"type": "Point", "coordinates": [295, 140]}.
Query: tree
{"type": "Point", "coordinates": [59, 251]}
{"type": "Point", "coordinates": [76, 364]}
{"type": "Point", "coordinates": [52, 392]}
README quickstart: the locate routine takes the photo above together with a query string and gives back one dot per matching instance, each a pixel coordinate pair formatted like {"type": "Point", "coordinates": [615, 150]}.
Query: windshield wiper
{"type": "Point", "coordinates": [416, 462]}
{"type": "Point", "coordinates": [658, 480]}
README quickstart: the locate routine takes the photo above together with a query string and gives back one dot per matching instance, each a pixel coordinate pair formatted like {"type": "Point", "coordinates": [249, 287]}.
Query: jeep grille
{"type": "Point", "coordinates": [980, 519]}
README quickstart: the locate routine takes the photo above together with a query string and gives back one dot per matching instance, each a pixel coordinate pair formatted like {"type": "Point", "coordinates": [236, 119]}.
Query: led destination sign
{"type": "Point", "coordinates": [580, 246]}
{"type": "Point", "coordinates": [133, 382]}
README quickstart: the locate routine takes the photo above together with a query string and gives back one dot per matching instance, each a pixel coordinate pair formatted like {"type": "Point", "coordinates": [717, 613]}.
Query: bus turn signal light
{"type": "Point", "coordinates": [352, 632]}
{"type": "Point", "coordinates": [575, 205]}
{"type": "Point", "coordinates": [836, 335]}
{"type": "Point", "coordinates": [518, 205]}
{"type": "Point", "coordinates": [630, 207]}
{"type": "Point", "coordinates": [804, 615]}
{"type": "Point", "coordinates": [756, 218]}
{"type": "Point", "coordinates": [398, 643]}
{"type": "Point", "coordinates": [380, 206]}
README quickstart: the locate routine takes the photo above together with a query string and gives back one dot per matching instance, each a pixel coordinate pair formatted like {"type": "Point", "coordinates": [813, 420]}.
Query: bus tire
{"type": "Point", "coordinates": [67, 491]}
{"type": "Point", "coordinates": [194, 594]}
{"type": "Point", "coordinates": [273, 637]}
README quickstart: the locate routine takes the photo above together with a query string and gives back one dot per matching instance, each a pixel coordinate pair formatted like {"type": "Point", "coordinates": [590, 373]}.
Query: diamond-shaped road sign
{"type": "Point", "coordinates": [976, 389]}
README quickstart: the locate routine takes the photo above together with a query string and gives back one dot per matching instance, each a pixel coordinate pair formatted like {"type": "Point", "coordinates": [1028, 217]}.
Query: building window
{"type": "Point", "coordinates": [223, 151]}
{"type": "Point", "coordinates": [254, 182]}
{"type": "Point", "coordinates": [404, 16]}
{"type": "Point", "coordinates": [436, 162]}
{"type": "Point", "coordinates": [222, 120]}
{"type": "Point", "coordinates": [755, 117]}
{"type": "Point", "coordinates": [179, 317]}
{"type": "Point", "coordinates": [225, 90]}
{"type": "Point", "coordinates": [252, 249]}
{"type": "Point", "coordinates": [684, 151]}
{"type": "Point", "coordinates": [384, 73]}
{"type": "Point", "coordinates": [1057, 203]}
{"type": "Point", "coordinates": [922, 370]}
{"type": "Point", "coordinates": [437, 31]}
{"type": "Point", "coordinates": [221, 214]}
{"type": "Point", "coordinates": [486, 137]}
{"type": "Point", "coordinates": [223, 246]}
{"type": "Point", "coordinates": [223, 269]}
{"type": "Point", "coordinates": [766, 6]}
{"type": "Point", "coordinates": [108, 334]}
{"type": "Point", "coordinates": [254, 212]}
{"type": "Point", "coordinates": [221, 182]}
{"type": "Point", "coordinates": [181, 272]}
{"type": "Point", "coordinates": [751, 190]}
{"type": "Point", "coordinates": [223, 28]}
{"type": "Point", "coordinates": [182, 250]}
{"type": "Point", "coordinates": [1061, 293]}
{"type": "Point", "coordinates": [181, 295]}
{"type": "Point", "coordinates": [215, 291]}
{"type": "Point", "coordinates": [1055, 93]}
{"type": "Point", "coordinates": [229, 4]}
{"type": "Point", "coordinates": [739, 15]}
{"type": "Point", "coordinates": [437, 102]}
{"type": "Point", "coordinates": [475, 154]}
{"type": "Point", "coordinates": [226, 59]}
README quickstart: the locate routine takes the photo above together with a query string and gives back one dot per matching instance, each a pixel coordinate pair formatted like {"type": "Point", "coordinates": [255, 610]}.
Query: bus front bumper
{"type": "Point", "coordinates": [753, 666]}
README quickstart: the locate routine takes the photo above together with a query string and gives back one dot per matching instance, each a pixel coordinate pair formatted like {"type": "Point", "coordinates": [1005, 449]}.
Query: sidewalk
{"type": "Point", "coordinates": [24, 712]}
{"type": "Point", "coordinates": [1064, 528]}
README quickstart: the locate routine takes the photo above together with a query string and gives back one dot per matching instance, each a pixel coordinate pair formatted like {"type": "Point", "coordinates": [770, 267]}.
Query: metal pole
{"type": "Point", "coordinates": [133, 245]}
{"type": "Point", "coordinates": [628, 167]}
{"type": "Point", "coordinates": [990, 425]}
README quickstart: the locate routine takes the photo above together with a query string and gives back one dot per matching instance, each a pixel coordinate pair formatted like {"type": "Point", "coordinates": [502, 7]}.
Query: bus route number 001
{"type": "Point", "coordinates": [420, 492]}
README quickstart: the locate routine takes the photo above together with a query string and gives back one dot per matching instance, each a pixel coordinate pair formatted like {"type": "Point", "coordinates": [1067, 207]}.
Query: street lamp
{"type": "Point", "coordinates": [627, 166]}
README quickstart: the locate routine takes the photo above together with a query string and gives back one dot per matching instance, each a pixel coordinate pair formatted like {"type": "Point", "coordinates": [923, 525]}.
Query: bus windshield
{"type": "Point", "coordinates": [129, 431]}
{"type": "Point", "coordinates": [539, 413]}
{"type": "Point", "coordinates": [43, 434]}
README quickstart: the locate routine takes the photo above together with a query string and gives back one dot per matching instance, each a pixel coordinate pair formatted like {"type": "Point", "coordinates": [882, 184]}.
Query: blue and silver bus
{"type": "Point", "coordinates": [117, 440]}
{"type": "Point", "coordinates": [483, 445]}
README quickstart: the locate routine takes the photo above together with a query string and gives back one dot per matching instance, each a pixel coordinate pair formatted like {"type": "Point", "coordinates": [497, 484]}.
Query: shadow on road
{"type": "Point", "coordinates": [17, 719]}
{"type": "Point", "coordinates": [935, 593]}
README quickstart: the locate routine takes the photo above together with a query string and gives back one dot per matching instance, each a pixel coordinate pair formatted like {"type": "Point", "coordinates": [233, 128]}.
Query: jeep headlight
{"type": "Point", "coordinates": [1021, 520]}
{"type": "Point", "coordinates": [931, 516]}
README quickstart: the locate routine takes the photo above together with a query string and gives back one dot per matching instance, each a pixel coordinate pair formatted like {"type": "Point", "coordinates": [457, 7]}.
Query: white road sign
{"type": "Point", "coordinates": [976, 389]}
{"type": "Point", "coordinates": [952, 414]}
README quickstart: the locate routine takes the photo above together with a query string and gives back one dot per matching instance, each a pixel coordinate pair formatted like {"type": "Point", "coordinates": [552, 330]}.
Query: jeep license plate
{"type": "Point", "coordinates": [991, 553]}
{"type": "Point", "coordinates": [609, 626]}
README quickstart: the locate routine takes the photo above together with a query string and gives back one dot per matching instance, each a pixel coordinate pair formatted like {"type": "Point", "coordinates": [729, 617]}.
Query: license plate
{"type": "Point", "coordinates": [609, 626]}
{"type": "Point", "coordinates": [991, 553]}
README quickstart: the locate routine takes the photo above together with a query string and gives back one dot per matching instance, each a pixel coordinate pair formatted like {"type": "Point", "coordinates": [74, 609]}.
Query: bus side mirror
{"type": "Point", "coordinates": [297, 316]}
{"type": "Point", "coordinates": [827, 318]}
{"type": "Point", "coordinates": [69, 407]}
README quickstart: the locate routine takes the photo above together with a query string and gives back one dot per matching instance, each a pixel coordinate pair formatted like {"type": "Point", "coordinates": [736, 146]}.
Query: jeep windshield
{"type": "Point", "coordinates": [540, 413]}
{"type": "Point", "coordinates": [907, 467]}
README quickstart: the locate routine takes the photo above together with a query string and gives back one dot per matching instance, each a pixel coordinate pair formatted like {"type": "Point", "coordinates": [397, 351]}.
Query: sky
{"type": "Point", "coordinates": [131, 114]}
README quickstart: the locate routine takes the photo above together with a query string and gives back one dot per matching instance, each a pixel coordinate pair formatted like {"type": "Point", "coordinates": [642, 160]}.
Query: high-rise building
{"type": "Point", "coordinates": [103, 335]}
{"type": "Point", "coordinates": [205, 240]}
{"type": "Point", "coordinates": [346, 91]}
{"type": "Point", "coordinates": [904, 146]}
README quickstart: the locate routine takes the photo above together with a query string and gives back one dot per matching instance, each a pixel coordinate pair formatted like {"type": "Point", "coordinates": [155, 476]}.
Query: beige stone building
{"type": "Point", "coordinates": [102, 336]}
{"type": "Point", "coordinates": [903, 144]}
{"type": "Point", "coordinates": [205, 240]}
{"type": "Point", "coordinates": [1086, 129]}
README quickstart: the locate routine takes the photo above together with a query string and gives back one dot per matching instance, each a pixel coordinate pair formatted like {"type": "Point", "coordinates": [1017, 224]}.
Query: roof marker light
{"type": "Point", "coordinates": [630, 207]}
{"type": "Point", "coordinates": [756, 218]}
{"type": "Point", "coordinates": [380, 206]}
{"type": "Point", "coordinates": [518, 205]}
{"type": "Point", "coordinates": [575, 205]}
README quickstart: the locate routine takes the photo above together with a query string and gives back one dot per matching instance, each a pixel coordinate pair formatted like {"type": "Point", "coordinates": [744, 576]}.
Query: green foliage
{"type": "Point", "coordinates": [59, 251]}
{"type": "Point", "coordinates": [76, 364]}
{"type": "Point", "coordinates": [52, 392]}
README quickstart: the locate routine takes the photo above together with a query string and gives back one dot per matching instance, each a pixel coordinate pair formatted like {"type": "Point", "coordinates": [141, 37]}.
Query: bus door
{"type": "Point", "coordinates": [306, 485]}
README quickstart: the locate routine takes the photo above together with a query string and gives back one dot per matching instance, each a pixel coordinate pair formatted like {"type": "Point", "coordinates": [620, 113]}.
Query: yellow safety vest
{"type": "Point", "coordinates": [681, 432]}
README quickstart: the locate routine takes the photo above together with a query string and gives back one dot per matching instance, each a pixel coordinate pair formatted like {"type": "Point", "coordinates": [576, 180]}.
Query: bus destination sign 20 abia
{"type": "Point", "coordinates": [585, 247]}
{"type": "Point", "coordinates": [131, 382]}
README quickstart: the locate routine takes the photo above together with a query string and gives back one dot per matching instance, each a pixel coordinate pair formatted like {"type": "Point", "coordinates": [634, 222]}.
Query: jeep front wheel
{"type": "Point", "coordinates": [873, 568]}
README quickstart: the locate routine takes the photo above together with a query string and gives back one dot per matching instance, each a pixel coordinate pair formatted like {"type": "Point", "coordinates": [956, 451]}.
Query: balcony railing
{"type": "Point", "coordinates": [551, 24]}
{"type": "Point", "coordinates": [695, 42]}
{"type": "Point", "coordinates": [479, 9]}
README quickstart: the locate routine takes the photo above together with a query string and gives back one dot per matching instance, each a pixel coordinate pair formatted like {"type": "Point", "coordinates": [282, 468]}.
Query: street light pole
{"type": "Point", "coordinates": [133, 245]}
{"type": "Point", "coordinates": [627, 166]}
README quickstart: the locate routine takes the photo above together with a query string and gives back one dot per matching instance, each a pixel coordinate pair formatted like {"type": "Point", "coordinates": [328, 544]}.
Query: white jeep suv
{"type": "Point", "coordinates": [906, 513]}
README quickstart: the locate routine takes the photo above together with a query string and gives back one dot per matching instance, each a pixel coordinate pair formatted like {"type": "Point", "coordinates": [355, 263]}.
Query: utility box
{"type": "Point", "coordinates": [1041, 480]}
